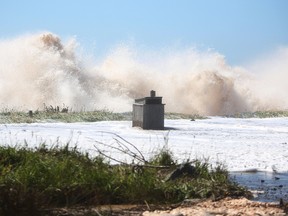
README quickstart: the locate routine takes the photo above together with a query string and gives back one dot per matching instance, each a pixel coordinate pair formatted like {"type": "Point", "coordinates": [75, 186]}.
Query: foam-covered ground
{"type": "Point", "coordinates": [240, 144]}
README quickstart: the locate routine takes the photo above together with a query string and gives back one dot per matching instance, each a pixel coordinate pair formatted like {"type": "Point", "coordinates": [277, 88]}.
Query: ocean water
{"type": "Point", "coordinates": [265, 186]}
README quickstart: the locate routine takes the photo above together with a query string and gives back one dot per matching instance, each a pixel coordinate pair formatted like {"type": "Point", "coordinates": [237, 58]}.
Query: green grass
{"type": "Point", "coordinates": [171, 115]}
{"type": "Point", "coordinates": [261, 114]}
{"type": "Point", "coordinates": [32, 180]}
{"type": "Point", "coordinates": [13, 116]}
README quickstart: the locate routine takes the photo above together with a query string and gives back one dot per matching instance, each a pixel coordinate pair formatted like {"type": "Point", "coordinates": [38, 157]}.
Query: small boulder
{"type": "Point", "coordinates": [185, 168]}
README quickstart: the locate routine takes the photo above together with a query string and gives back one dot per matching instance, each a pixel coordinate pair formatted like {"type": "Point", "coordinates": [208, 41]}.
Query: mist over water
{"type": "Point", "coordinates": [40, 68]}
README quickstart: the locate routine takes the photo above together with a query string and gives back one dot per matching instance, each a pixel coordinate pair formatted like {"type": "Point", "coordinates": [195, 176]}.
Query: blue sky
{"type": "Point", "coordinates": [241, 30]}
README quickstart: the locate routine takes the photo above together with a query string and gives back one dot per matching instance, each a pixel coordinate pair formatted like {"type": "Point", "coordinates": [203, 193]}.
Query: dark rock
{"type": "Point", "coordinates": [185, 168]}
{"type": "Point", "coordinates": [30, 113]}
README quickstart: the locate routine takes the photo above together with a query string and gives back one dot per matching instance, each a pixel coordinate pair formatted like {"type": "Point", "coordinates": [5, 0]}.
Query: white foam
{"type": "Point", "coordinates": [239, 144]}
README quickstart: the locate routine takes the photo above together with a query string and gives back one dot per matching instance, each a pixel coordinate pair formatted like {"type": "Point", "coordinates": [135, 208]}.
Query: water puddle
{"type": "Point", "coordinates": [265, 186]}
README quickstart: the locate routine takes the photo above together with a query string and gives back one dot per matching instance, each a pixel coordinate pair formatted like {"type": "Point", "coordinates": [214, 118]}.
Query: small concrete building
{"type": "Point", "coordinates": [148, 112]}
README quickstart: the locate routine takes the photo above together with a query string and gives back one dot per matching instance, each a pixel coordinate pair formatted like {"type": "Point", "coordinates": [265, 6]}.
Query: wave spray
{"type": "Point", "coordinates": [39, 69]}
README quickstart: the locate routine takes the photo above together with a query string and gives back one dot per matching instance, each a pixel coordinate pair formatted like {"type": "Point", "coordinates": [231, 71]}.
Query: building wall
{"type": "Point", "coordinates": [137, 118]}
{"type": "Point", "coordinates": [153, 116]}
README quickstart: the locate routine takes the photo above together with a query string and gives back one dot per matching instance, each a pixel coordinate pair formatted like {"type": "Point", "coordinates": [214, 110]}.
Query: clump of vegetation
{"type": "Point", "coordinates": [32, 180]}
{"type": "Point", "coordinates": [164, 156]}
{"type": "Point", "coordinates": [261, 114]}
{"type": "Point", "coordinates": [192, 117]}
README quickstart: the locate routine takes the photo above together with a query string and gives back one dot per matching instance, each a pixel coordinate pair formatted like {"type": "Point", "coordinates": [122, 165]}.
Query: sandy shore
{"type": "Point", "coordinates": [227, 207]}
{"type": "Point", "coordinates": [224, 207]}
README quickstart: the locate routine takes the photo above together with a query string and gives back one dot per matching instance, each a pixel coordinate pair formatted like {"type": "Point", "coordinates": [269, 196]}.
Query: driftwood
{"type": "Point", "coordinates": [123, 146]}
